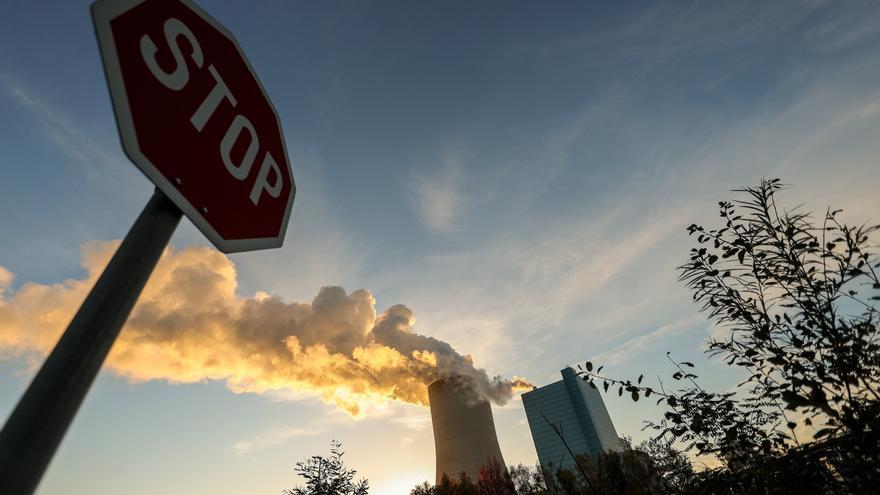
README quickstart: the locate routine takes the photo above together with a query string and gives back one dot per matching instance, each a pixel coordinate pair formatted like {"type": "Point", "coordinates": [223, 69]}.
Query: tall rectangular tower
{"type": "Point", "coordinates": [578, 411]}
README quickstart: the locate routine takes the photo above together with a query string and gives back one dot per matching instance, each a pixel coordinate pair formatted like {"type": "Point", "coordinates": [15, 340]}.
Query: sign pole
{"type": "Point", "coordinates": [36, 426]}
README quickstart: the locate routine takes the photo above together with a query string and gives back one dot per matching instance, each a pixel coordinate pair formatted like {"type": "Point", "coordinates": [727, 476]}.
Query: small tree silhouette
{"type": "Point", "coordinates": [494, 479]}
{"type": "Point", "coordinates": [424, 489]}
{"type": "Point", "coordinates": [328, 476]}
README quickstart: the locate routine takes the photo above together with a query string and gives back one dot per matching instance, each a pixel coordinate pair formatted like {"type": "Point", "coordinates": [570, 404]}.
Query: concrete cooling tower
{"type": "Point", "coordinates": [464, 431]}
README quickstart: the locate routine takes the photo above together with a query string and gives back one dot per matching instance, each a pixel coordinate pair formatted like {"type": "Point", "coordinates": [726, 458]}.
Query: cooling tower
{"type": "Point", "coordinates": [464, 432]}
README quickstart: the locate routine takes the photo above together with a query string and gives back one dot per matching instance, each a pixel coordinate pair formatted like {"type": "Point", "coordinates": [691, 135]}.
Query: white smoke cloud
{"type": "Point", "coordinates": [189, 325]}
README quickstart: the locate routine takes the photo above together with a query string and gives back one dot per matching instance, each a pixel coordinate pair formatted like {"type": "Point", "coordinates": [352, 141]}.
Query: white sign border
{"type": "Point", "coordinates": [103, 12]}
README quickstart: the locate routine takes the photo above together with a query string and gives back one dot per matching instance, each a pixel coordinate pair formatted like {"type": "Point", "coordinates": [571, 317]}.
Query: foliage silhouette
{"type": "Point", "coordinates": [630, 472]}
{"type": "Point", "coordinates": [423, 489]}
{"type": "Point", "coordinates": [528, 480]}
{"type": "Point", "coordinates": [492, 480]}
{"type": "Point", "coordinates": [797, 302]}
{"type": "Point", "coordinates": [328, 476]}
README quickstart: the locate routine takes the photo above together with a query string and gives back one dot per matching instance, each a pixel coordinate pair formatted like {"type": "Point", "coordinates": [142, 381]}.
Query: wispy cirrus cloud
{"type": "Point", "coordinates": [511, 290]}
{"type": "Point", "coordinates": [6, 278]}
{"type": "Point", "coordinates": [102, 163]}
{"type": "Point", "coordinates": [439, 194]}
{"type": "Point", "coordinates": [417, 420]}
{"type": "Point", "coordinates": [636, 346]}
{"type": "Point", "coordinates": [276, 434]}
{"type": "Point", "coordinates": [614, 254]}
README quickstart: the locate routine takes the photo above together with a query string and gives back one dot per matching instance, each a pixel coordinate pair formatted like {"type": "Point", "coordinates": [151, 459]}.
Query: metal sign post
{"type": "Point", "coordinates": [38, 423]}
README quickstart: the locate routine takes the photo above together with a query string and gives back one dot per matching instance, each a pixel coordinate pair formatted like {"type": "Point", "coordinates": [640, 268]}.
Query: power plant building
{"type": "Point", "coordinates": [464, 431]}
{"type": "Point", "coordinates": [579, 413]}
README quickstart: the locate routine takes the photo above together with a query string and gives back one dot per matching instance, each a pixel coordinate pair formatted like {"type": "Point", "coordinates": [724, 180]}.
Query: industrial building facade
{"type": "Point", "coordinates": [580, 414]}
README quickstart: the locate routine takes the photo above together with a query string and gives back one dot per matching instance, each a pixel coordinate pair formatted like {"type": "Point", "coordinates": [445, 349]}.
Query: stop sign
{"type": "Point", "coordinates": [195, 119]}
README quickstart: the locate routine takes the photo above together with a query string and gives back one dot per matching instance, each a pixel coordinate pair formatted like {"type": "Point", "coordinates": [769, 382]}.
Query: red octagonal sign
{"type": "Point", "coordinates": [195, 119]}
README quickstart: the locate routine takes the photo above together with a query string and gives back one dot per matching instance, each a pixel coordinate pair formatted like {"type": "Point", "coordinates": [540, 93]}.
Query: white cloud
{"type": "Point", "coordinates": [6, 278]}
{"type": "Point", "coordinates": [272, 436]}
{"type": "Point", "coordinates": [635, 346]}
{"type": "Point", "coordinates": [439, 195]}
{"type": "Point", "coordinates": [609, 267]}
{"type": "Point", "coordinates": [852, 23]}
{"type": "Point", "coordinates": [417, 420]}
{"type": "Point", "coordinates": [492, 298]}
{"type": "Point", "coordinates": [102, 164]}
{"type": "Point", "coordinates": [320, 249]}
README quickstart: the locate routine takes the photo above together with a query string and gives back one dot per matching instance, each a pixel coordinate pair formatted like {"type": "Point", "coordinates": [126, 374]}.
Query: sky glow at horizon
{"type": "Point", "coordinates": [519, 176]}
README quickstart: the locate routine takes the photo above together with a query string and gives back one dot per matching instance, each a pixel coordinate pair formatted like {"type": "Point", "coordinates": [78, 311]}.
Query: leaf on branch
{"type": "Point", "coordinates": [697, 423]}
{"type": "Point", "coordinates": [824, 432]}
{"type": "Point", "coordinates": [794, 400]}
{"type": "Point", "coordinates": [777, 360]}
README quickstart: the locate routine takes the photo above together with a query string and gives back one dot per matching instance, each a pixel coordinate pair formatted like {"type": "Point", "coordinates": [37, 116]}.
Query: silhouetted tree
{"type": "Point", "coordinates": [328, 476]}
{"type": "Point", "coordinates": [424, 489]}
{"type": "Point", "coordinates": [673, 467]}
{"type": "Point", "coordinates": [528, 480]}
{"type": "Point", "coordinates": [796, 300]}
{"type": "Point", "coordinates": [446, 486]}
{"type": "Point", "coordinates": [627, 472]}
{"type": "Point", "coordinates": [465, 486]}
{"type": "Point", "coordinates": [494, 479]}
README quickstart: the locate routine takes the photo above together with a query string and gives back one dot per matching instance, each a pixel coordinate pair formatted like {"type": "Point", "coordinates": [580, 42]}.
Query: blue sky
{"type": "Point", "coordinates": [518, 175]}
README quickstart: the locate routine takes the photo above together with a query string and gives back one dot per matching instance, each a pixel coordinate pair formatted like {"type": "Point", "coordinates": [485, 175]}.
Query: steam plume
{"type": "Point", "coordinates": [190, 326]}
